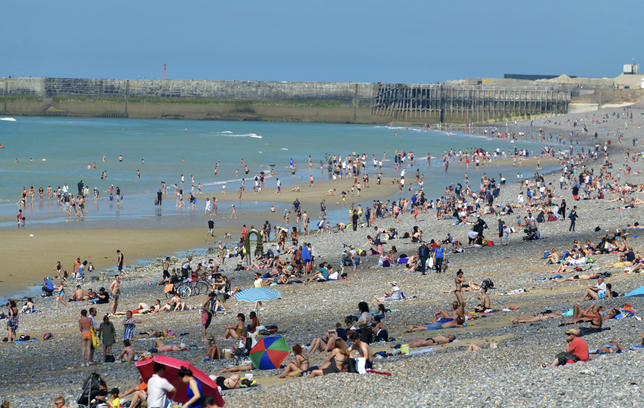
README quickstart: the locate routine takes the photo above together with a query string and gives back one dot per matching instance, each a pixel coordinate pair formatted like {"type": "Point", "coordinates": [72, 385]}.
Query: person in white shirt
{"type": "Point", "coordinates": [394, 294]}
{"type": "Point", "coordinates": [158, 387]}
{"type": "Point", "coordinates": [595, 292]}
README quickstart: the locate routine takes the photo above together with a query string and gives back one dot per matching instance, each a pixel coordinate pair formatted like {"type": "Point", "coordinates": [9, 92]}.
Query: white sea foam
{"type": "Point", "coordinates": [284, 148]}
{"type": "Point", "coordinates": [226, 131]}
{"type": "Point", "coordinates": [253, 135]}
{"type": "Point", "coordinates": [8, 119]}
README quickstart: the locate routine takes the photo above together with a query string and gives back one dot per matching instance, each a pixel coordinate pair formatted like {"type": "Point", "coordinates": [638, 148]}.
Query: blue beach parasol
{"type": "Point", "coordinates": [639, 292]}
{"type": "Point", "coordinates": [257, 295]}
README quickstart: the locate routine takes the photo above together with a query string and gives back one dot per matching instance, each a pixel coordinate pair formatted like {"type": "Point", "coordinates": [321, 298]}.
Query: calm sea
{"type": "Point", "coordinates": [55, 151]}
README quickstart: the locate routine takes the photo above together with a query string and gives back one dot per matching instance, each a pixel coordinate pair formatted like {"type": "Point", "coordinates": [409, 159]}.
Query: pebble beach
{"type": "Point", "coordinates": [508, 374]}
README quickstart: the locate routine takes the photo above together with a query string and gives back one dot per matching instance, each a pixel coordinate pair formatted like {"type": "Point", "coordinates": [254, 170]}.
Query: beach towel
{"type": "Point", "coordinates": [25, 341]}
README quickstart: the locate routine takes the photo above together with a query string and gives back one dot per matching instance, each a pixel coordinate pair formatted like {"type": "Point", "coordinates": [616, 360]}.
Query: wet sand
{"type": "Point", "coordinates": [313, 194]}
{"type": "Point", "coordinates": [33, 258]}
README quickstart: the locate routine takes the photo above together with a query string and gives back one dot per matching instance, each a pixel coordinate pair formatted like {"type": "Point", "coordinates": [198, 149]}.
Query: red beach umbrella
{"type": "Point", "coordinates": [173, 365]}
{"type": "Point", "coordinates": [269, 353]}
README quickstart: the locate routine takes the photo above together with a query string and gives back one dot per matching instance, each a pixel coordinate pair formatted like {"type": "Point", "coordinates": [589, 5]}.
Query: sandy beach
{"type": "Point", "coordinates": [505, 372]}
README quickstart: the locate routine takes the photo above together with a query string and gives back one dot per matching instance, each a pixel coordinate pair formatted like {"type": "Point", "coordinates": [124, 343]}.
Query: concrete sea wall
{"type": "Point", "coordinates": [190, 99]}
{"type": "Point", "coordinates": [329, 102]}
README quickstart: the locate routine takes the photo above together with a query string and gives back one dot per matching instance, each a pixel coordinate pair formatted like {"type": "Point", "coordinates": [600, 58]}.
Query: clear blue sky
{"type": "Point", "coordinates": [362, 41]}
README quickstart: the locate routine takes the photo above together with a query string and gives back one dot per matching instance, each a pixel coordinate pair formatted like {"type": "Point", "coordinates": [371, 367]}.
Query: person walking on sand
{"type": "Point", "coordinates": [115, 290]}
{"type": "Point", "coordinates": [211, 227]}
{"type": "Point", "coordinates": [61, 295]}
{"type": "Point", "coordinates": [206, 315]}
{"type": "Point", "coordinates": [120, 262]}
{"type": "Point", "coordinates": [573, 218]}
{"type": "Point", "coordinates": [439, 256]}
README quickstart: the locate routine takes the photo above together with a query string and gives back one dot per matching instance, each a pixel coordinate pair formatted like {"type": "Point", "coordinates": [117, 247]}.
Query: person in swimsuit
{"type": "Point", "coordinates": [236, 330]}
{"type": "Point", "coordinates": [214, 351]}
{"type": "Point", "coordinates": [158, 344]}
{"type": "Point", "coordinates": [12, 321]}
{"type": "Point", "coordinates": [230, 383]}
{"type": "Point", "coordinates": [194, 391]}
{"type": "Point", "coordinates": [362, 347]}
{"type": "Point", "coordinates": [296, 366]}
{"type": "Point", "coordinates": [128, 353]}
{"type": "Point", "coordinates": [151, 334]}
{"type": "Point", "coordinates": [437, 325]}
{"type": "Point", "coordinates": [609, 348]}
{"type": "Point", "coordinates": [115, 289]}
{"type": "Point", "coordinates": [485, 302]}
{"type": "Point", "coordinates": [85, 326]}
{"type": "Point", "coordinates": [431, 341]}
{"type": "Point", "coordinates": [537, 318]}
{"type": "Point", "coordinates": [337, 360]}
{"type": "Point", "coordinates": [61, 295]}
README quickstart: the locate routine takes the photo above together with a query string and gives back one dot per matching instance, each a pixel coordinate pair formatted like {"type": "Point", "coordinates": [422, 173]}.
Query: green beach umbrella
{"type": "Point", "coordinates": [269, 353]}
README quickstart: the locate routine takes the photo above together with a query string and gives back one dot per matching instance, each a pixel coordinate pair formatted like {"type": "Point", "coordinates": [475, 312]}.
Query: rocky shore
{"type": "Point", "coordinates": [510, 375]}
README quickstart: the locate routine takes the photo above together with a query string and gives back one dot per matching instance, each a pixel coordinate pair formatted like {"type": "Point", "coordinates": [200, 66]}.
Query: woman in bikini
{"type": "Point", "coordinates": [85, 326]}
{"type": "Point", "coordinates": [232, 382]}
{"type": "Point", "coordinates": [158, 344]}
{"type": "Point", "coordinates": [128, 353]}
{"type": "Point", "coordinates": [298, 365]}
{"type": "Point", "coordinates": [337, 360]}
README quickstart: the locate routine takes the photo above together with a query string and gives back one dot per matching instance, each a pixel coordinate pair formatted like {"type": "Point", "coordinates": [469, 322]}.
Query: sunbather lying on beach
{"type": "Point", "coordinates": [609, 348]}
{"type": "Point", "coordinates": [537, 318]}
{"type": "Point", "coordinates": [437, 325]}
{"type": "Point", "coordinates": [577, 278]}
{"type": "Point", "coordinates": [152, 334]}
{"type": "Point", "coordinates": [158, 344]}
{"type": "Point", "coordinates": [431, 341]}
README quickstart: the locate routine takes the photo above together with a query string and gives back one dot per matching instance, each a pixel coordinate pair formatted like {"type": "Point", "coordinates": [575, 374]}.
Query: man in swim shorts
{"type": "Point", "coordinates": [431, 341]}
{"type": "Point", "coordinates": [437, 325]}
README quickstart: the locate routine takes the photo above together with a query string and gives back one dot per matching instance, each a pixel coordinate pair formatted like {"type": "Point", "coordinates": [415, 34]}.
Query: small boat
{"type": "Point", "coordinates": [1, 146]}
{"type": "Point", "coordinates": [8, 119]}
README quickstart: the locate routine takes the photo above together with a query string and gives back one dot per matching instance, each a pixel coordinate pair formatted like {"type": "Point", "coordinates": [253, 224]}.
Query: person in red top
{"type": "Point", "coordinates": [244, 232]}
{"type": "Point", "coordinates": [577, 350]}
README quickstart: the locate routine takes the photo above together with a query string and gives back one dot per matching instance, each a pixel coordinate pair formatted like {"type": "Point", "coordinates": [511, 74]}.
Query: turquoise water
{"type": "Point", "coordinates": [68, 145]}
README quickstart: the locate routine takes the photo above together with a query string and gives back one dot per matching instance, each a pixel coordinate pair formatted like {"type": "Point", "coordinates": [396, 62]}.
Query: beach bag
{"type": "Point", "coordinates": [47, 336]}
{"type": "Point", "coordinates": [490, 243]}
{"type": "Point", "coordinates": [109, 358]}
{"type": "Point", "coordinates": [404, 349]}
{"type": "Point", "coordinates": [352, 366]}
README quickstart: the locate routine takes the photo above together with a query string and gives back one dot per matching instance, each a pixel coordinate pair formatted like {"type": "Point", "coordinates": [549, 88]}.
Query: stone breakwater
{"type": "Point", "coordinates": [508, 376]}
{"type": "Point", "coordinates": [331, 102]}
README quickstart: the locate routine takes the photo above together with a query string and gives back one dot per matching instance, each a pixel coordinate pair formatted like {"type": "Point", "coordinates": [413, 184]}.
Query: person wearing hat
{"type": "Point", "coordinates": [577, 349]}
{"type": "Point", "coordinates": [393, 294]}
{"type": "Point", "coordinates": [116, 401]}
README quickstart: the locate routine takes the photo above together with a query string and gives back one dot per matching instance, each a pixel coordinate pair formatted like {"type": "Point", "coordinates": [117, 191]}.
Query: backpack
{"type": "Point", "coordinates": [487, 284]}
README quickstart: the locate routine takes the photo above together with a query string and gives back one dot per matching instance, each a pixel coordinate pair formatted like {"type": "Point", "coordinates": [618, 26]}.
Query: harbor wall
{"type": "Point", "coordinates": [326, 102]}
